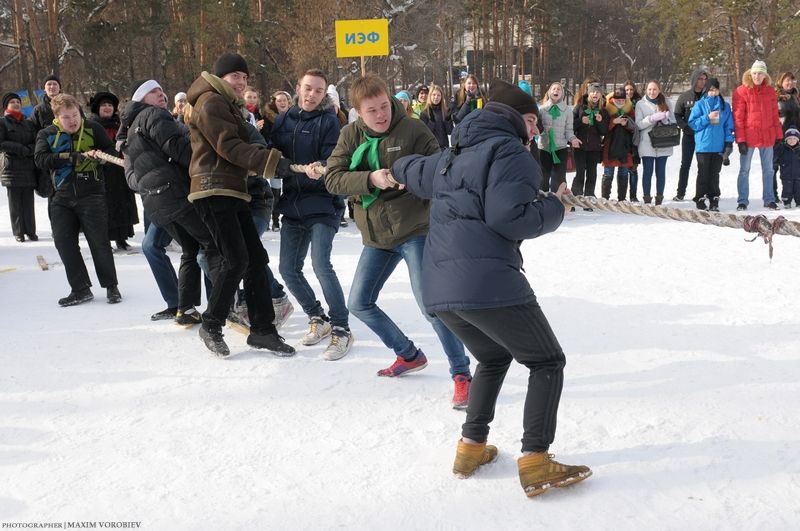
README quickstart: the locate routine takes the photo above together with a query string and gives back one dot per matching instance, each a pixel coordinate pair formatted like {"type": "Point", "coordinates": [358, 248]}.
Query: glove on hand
{"type": "Point", "coordinates": [726, 154]}
{"type": "Point", "coordinates": [742, 148]}
{"type": "Point", "coordinates": [657, 117]}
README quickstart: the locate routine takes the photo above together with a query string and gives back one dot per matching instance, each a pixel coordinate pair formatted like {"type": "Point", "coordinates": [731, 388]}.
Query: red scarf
{"type": "Point", "coordinates": [251, 107]}
{"type": "Point", "coordinates": [17, 115]}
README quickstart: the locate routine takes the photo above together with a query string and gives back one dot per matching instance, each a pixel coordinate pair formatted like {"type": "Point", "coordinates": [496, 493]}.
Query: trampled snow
{"type": "Point", "coordinates": [681, 393]}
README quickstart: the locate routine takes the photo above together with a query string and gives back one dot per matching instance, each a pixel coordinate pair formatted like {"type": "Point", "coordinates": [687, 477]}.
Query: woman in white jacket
{"type": "Point", "coordinates": [555, 117]}
{"type": "Point", "coordinates": [651, 110]}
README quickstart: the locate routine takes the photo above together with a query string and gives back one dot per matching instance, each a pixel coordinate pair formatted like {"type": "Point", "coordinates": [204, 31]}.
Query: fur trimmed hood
{"type": "Point", "coordinates": [747, 79]}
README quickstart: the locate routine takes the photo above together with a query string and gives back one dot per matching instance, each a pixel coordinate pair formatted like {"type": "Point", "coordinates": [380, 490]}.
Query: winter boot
{"type": "Point", "coordinates": [470, 456]}
{"type": "Point", "coordinates": [647, 200]}
{"type": "Point", "coordinates": [212, 337]}
{"type": "Point", "coordinates": [318, 327]}
{"type": "Point", "coordinates": [678, 198]}
{"type": "Point", "coordinates": [76, 297]}
{"type": "Point", "coordinates": [701, 204]}
{"type": "Point", "coordinates": [539, 472]}
{"type": "Point", "coordinates": [271, 342]}
{"type": "Point", "coordinates": [605, 187]}
{"type": "Point", "coordinates": [714, 204]}
{"type": "Point", "coordinates": [341, 341]}
{"type": "Point", "coordinates": [659, 199]}
{"type": "Point", "coordinates": [461, 392]}
{"type": "Point", "coordinates": [112, 295]}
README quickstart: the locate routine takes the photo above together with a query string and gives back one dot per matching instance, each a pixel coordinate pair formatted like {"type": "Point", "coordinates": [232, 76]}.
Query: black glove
{"type": "Point", "coordinates": [726, 154]}
{"type": "Point", "coordinates": [742, 148]}
{"type": "Point", "coordinates": [283, 168]}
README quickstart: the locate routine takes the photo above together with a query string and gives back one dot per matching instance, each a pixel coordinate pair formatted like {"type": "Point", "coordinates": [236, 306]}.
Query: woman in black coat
{"type": "Point", "coordinates": [17, 169]}
{"type": "Point", "coordinates": [122, 210]}
{"type": "Point", "coordinates": [437, 117]}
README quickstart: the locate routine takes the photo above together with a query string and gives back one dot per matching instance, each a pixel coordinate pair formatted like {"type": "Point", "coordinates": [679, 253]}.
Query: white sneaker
{"type": "Point", "coordinates": [341, 341]}
{"type": "Point", "coordinates": [283, 310]}
{"type": "Point", "coordinates": [317, 329]}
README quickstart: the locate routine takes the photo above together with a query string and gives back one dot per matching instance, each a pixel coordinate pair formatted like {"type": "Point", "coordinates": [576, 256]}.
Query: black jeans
{"type": "Point", "coordinates": [553, 174]}
{"type": "Point", "coordinates": [71, 213]}
{"type": "Point", "coordinates": [20, 208]}
{"type": "Point", "coordinates": [243, 256]}
{"type": "Point", "coordinates": [708, 168]}
{"type": "Point", "coordinates": [495, 336]}
{"type": "Point", "coordinates": [585, 171]}
{"type": "Point", "coordinates": [687, 153]}
{"type": "Point", "coordinates": [192, 235]}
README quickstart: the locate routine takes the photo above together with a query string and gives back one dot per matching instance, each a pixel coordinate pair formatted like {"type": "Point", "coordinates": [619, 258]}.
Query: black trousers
{"type": "Point", "coordinates": [585, 171]}
{"type": "Point", "coordinates": [72, 213]}
{"type": "Point", "coordinates": [193, 235]}
{"type": "Point", "coordinates": [553, 174]}
{"type": "Point", "coordinates": [20, 208]}
{"type": "Point", "coordinates": [687, 153]}
{"type": "Point", "coordinates": [496, 336]}
{"type": "Point", "coordinates": [243, 257]}
{"type": "Point", "coordinates": [708, 168]}
{"type": "Point", "coordinates": [276, 194]}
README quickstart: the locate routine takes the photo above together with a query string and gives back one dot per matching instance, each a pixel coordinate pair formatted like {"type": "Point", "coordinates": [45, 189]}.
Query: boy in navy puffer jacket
{"type": "Point", "coordinates": [787, 154]}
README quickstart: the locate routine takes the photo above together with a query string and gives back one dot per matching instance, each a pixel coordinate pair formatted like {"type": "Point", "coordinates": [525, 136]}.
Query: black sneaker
{"type": "Point", "coordinates": [163, 315]}
{"type": "Point", "coordinates": [741, 207]}
{"type": "Point", "coordinates": [772, 206]}
{"type": "Point", "coordinates": [678, 198]}
{"type": "Point", "coordinates": [112, 295]}
{"type": "Point", "coordinates": [76, 297]}
{"type": "Point", "coordinates": [787, 204]}
{"type": "Point", "coordinates": [213, 340]}
{"type": "Point", "coordinates": [188, 317]}
{"type": "Point", "coordinates": [33, 237]}
{"type": "Point", "coordinates": [272, 342]}
{"type": "Point", "coordinates": [343, 223]}
{"type": "Point", "coordinates": [701, 204]}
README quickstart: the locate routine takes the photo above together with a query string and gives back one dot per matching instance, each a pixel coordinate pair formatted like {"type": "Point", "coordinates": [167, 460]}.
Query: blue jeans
{"type": "Point", "coordinates": [374, 267]}
{"type": "Point", "coordinates": [660, 164]}
{"type": "Point", "coordinates": [743, 182]}
{"type": "Point", "coordinates": [275, 287]}
{"type": "Point", "coordinates": [295, 241]}
{"type": "Point", "coordinates": [154, 246]}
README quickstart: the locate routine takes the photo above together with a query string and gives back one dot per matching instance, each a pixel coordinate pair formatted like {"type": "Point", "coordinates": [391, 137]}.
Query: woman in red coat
{"type": "Point", "coordinates": [756, 125]}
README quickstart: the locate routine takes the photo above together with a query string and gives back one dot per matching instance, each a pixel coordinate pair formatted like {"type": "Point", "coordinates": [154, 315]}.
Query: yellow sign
{"type": "Point", "coordinates": [356, 38]}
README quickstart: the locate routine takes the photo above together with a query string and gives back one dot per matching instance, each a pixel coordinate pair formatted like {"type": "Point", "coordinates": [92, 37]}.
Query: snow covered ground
{"type": "Point", "coordinates": [681, 393]}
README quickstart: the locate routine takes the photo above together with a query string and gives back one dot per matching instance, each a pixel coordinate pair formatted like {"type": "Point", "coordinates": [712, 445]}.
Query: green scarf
{"type": "Point", "coordinates": [620, 112]}
{"type": "Point", "coordinates": [370, 148]}
{"type": "Point", "coordinates": [554, 113]}
{"type": "Point", "coordinates": [591, 112]}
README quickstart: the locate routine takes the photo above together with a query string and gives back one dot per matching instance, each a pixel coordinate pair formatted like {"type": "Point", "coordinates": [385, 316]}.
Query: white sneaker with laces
{"type": "Point", "coordinates": [341, 341]}
{"type": "Point", "coordinates": [317, 329]}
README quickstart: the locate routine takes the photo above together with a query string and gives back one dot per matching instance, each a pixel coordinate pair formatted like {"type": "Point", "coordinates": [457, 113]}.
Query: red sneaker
{"type": "Point", "coordinates": [461, 394]}
{"type": "Point", "coordinates": [401, 367]}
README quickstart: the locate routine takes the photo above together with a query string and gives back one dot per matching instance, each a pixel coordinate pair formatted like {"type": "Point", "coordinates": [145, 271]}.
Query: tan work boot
{"type": "Point", "coordinates": [538, 472]}
{"type": "Point", "coordinates": [470, 456]}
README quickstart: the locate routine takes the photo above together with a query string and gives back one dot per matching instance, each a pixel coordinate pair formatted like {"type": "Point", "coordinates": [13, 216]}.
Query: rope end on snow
{"type": "Point", "coordinates": [764, 228]}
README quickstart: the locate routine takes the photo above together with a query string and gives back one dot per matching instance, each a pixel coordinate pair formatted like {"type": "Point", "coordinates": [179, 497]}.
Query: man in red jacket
{"type": "Point", "coordinates": [756, 125]}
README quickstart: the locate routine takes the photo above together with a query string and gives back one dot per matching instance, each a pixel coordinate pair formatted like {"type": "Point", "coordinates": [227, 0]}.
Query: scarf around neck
{"type": "Point", "coordinates": [554, 113]}
{"type": "Point", "coordinates": [369, 148]}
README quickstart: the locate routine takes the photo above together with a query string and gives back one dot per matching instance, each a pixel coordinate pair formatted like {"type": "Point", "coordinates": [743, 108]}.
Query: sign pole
{"type": "Point", "coordinates": [363, 66]}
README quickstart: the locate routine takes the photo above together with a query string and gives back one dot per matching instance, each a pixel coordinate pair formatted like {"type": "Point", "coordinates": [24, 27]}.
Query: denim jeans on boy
{"type": "Point", "coordinates": [262, 224]}
{"type": "Point", "coordinates": [374, 268]}
{"type": "Point", "coordinates": [154, 246]}
{"type": "Point", "coordinates": [743, 182]}
{"type": "Point", "coordinates": [295, 241]}
{"type": "Point", "coordinates": [660, 164]}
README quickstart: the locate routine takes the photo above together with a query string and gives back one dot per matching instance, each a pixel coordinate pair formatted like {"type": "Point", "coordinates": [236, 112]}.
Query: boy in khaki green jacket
{"type": "Point", "coordinates": [393, 223]}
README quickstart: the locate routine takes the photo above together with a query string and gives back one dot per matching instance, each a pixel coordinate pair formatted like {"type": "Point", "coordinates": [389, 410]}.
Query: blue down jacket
{"type": "Point", "coordinates": [485, 200]}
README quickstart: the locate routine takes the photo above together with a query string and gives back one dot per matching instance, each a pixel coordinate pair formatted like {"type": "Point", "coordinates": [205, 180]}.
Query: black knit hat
{"type": "Point", "coordinates": [503, 92]}
{"type": "Point", "coordinates": [230, 62]}
{"type": "Point", "coordinates": [619, 94]}
{"type": "Point", "coordinates": [8, 96]}
{"type": "Point", "coordinates": [52, 77]}
{"type": "Point", "coordinates": [100, 97]}
{"type": "Point", "coordinates": [712, 82]}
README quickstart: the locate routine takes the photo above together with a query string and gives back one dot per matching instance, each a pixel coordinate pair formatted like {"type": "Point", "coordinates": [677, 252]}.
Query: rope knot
{"type": "Point", "coordinates": [763, 227]}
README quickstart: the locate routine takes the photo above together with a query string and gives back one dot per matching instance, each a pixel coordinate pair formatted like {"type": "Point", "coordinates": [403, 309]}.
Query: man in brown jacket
{"type": "Point", "coordinates": [393, 223]}
{"type": "Point", "coordinates": [221, 159]}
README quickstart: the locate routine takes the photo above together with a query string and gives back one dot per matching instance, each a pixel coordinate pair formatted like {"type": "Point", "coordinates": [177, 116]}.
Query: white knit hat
{"type": "Point", "coordinates": [759, 67]}
{"type": "Point", "coordinates": [180, 96]}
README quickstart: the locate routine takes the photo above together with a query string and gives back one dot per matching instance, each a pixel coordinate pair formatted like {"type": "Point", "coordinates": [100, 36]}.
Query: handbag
{"type": "Point", "coordinates": [665, 135]}
{"type": "Point", "coordinates": [44, 184]}
{"type": "Point", "coordinates": [570, 161]}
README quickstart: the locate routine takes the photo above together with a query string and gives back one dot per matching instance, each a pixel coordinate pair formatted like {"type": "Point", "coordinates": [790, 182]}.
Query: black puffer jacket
{"type": "Point", "coordinates": [788, 108]}
{"type": "Point", "coordinates": [17, 142]}
{"type": "Point", "coordinates": [158, 151]}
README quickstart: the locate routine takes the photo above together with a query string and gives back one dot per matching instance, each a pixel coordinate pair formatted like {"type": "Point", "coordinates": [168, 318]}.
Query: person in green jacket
{"type": "Point", "coordinates": [393, 222]}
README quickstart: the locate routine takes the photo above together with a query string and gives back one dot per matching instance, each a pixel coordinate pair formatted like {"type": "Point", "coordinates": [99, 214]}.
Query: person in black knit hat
{"type": "Point", "coordinates": [477, 222]}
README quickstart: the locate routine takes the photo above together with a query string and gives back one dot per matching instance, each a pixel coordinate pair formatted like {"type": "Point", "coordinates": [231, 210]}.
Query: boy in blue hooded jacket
{"type": "Point", "coordinates": [712, 122]}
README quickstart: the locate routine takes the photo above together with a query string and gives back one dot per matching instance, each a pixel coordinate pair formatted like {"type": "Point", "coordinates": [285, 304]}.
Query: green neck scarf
{"type": "Point", "coordinates": [591, 113]}
{"type": "Point", "coordinates": [554, 113]}
{"type": "Point", "coordinates": [620, 112]}
{"type": "Point", "coordinates": [370, 148]}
